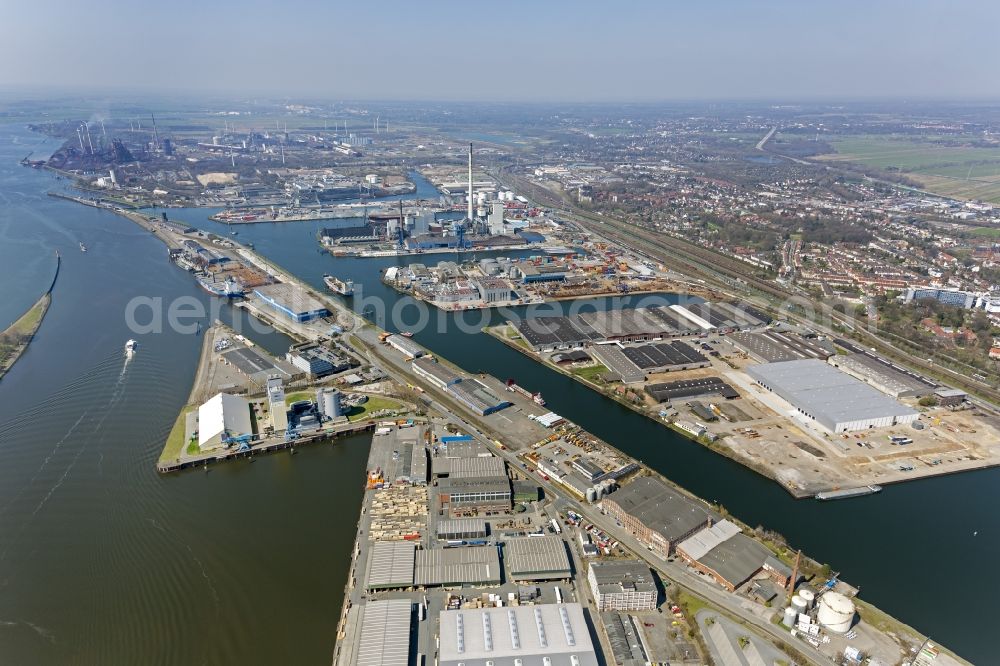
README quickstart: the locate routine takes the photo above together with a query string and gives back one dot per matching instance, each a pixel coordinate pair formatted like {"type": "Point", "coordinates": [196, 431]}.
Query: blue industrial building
{"type": "Point", "coordinates": [294, 303]}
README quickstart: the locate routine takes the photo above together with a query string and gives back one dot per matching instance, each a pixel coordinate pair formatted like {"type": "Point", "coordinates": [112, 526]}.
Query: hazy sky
{"type": "Point", "coordinates": [545, 51]}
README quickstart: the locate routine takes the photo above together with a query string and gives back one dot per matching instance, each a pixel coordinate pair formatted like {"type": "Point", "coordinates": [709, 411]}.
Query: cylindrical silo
{"type": "Point", "coordinates": [808, 596]}
{"type": "Point", "coordinates": [788, 619]}
{"type": "Point", "coordinates": [836, 612]}
{"type": "Point", "coordinates": [799, 604]}
{"type": "Point", "coordinates": [591, 495]}
{"type": "Point", "coordinates": [334, 407]}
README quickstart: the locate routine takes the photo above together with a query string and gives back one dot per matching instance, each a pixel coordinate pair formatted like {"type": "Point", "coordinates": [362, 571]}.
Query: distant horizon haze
{"type": "Point", "coordinates": [580, 52]}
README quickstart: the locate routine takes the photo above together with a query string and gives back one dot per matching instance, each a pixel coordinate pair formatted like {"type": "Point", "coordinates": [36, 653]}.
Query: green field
{"type": "Point", "coordinates": [987, 232]}
{"type": "Point", "coordinates": [963, 172]}
{"type": "Point", "coordinates": [175, 440]}
{"type": "Point", "coordinates": [25, 327]}
{"type": "Point", "coordinates": [374, 404]}
{"type": "Point", "coordinates": [591, 373]}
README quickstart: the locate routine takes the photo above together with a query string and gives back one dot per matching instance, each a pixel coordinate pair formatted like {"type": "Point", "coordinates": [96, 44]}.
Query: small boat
{"type": "Point", "coordinates": [406, 334]}
{"type": "Point", "coordinates": [83, 248]}
{"type": "Point", "coordinates": [130, 347]}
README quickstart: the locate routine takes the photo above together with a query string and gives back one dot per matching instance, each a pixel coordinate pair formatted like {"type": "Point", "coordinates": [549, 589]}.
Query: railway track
{"type": "Point", "coordinates": [729, 275]}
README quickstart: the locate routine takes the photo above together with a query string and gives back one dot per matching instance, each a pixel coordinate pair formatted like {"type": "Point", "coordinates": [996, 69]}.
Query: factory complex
{"type": "Point", "coordinates": [547, 334]}
{"type": "Point", "coordinates": [817, 414]}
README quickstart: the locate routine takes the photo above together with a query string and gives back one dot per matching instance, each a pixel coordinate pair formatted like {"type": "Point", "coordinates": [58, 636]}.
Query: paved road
{"type": "Point", "coordinates": [753, 613]}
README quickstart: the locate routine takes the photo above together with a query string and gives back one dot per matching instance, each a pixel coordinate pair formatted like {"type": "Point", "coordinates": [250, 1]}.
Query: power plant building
{"type": "Point", "coordinates": [830, 397]}
{"type": "Point", "coordinates": [276, 404]}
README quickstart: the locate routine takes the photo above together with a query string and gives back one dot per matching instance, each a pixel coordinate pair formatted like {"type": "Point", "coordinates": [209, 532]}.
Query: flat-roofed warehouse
{"type": "Point", "coordinates": [678, 325]}
{"type": "Point", "coordinates": [461, 528]}
{"type": "Point", "coordinates": [477, 397]}
{"type": "Point", "coordinates": [551, 333]}
{"type": "Point", "coordinates": [630, 325]}
{"type": "Point", "coordinates": [775, 346]}
{"type": "Point", "coordinates": [464, 468]}
{"type": "Point", "coordinates": [719, 316]}
{"type": "Point", "coordinates": [664, 356]}
{"type": "Point", "coordinates": [829, 396]}
{"type": "Point", "coordinates": [537, 558]}
{"type": "Point", "coordinates": [437, 374]}
{"type": "Point", "coordinates": [257, 367]}
{"type": "Point", "coordinates": [474, 492]}
{"type": "Point", "coordinates": [888, 378]}
{"type": "Point", "coordinates": [536, 635]}
{"type": "Point", "coordinates": [691, 388]}
{"type": "Point", "coordinates": [404, 345]}
{"type": "Point", "coordinates": [390, 565]}
{"type": "Point", "coordinates": [385, 633]}
{"type": "Point", "coordinates": [470, 565]}
{"type": "Point", "coordinates": [291, 301]}
{"type": "Point", "coordinates": [731, 557]}
{"type": "Point", "coordinates": [656, 514]}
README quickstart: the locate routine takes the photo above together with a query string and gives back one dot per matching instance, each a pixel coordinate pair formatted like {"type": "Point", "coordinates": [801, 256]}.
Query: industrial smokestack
{"type": "Point", "coordinates": [470, 182]}
{"type": "Point", "coordinates": [79, 136]}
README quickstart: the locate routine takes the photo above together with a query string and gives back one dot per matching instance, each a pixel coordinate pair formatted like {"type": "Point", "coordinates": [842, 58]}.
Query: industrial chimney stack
{"type": "Point", "coordinates": [470, 183]}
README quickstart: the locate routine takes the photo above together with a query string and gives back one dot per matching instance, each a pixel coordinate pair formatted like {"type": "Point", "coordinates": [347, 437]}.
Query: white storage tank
{"type": "Point", "coordinates": [329, 402]}
{"type": "Point", "coordinates": [808, 596]}
{"type": "Point", "coordinates": [591, 495]}
{"type": "Point", "coordinates": [788, 619]}
{"type": "Point", "coordinates": [799, 604]}
{"type": "Point", "coordinates": [836, 612]}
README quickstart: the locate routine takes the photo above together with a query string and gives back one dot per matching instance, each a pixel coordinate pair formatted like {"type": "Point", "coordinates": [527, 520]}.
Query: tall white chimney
{"type": "Point", "coordinates": [470, 182]}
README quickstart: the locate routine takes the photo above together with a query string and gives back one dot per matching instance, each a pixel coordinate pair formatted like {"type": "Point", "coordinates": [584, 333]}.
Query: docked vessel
{"type": "Point", "coordinates": [342, 287]}
{"type": "Point", "coordinates": [849, 492]}
{"type": "Point", "coordinates": [407, 334]}
{"type": "Point", "coordinates": [130, 347]}
{"type": "Point", "coordinates": [83, 248]}
{"type": "Point", "coordinates": [228, 289]}
{"type": "Point", "coordinates": [516, 388]}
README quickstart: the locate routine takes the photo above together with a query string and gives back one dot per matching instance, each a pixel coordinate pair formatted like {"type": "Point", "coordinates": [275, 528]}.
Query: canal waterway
{"type": "Point", "coordinates": [103, 561]}
{"type": "Point", "coordinates": [913, 549]}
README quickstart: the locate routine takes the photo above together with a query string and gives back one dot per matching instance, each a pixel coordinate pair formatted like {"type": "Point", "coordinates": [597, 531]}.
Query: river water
{"type": "Point", "coordinates": [103, 561]}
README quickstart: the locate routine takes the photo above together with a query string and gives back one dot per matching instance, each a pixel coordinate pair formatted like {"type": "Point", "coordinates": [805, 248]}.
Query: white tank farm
{"type": "Point", "coordinates": [808, 596]}
{"type": "Point", "coordinates": [799, 604]}
{"type": "Point", "coordinates": [836, 612]}
{"type": "Point", "coordinates": [788, 619]}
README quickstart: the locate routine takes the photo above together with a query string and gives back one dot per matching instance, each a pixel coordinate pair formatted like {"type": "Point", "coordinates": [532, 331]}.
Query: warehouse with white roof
{"type": "Point", "coordinates": [222, 418]}
{"type": "Point", "coordinates": [829, 396]}
{"type": "Point", "coordinates": [539, 635]}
